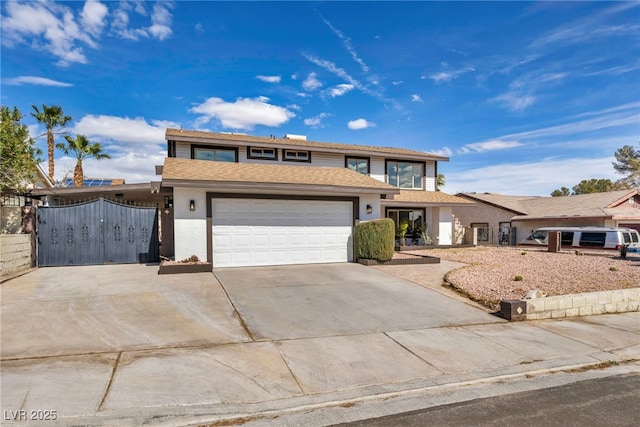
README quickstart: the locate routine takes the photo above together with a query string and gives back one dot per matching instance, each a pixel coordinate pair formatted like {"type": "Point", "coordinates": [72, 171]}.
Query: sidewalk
{"type": "Point", "coordinates": [236, 378]}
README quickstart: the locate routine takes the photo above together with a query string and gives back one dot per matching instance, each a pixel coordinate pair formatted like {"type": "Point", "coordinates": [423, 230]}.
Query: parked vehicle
{"type": "Point", "coordinates": [587, 238]}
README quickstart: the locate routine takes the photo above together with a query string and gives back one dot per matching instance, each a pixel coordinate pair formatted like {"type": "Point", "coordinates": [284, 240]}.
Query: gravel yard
{"type": "Point", "coordinates": [490, 275]}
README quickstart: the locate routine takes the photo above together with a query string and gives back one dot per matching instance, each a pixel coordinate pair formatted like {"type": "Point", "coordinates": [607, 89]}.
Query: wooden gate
{"type": "Point", "coordinates": [98, 232]}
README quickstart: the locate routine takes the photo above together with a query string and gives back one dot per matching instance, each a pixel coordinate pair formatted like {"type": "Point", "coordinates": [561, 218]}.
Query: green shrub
{"type": "Point", "coordinates": [375, 239]}
{"type": "Point", "coordinates": [518, 278]}
{"type": "Point", "coordinates": [613, 268]}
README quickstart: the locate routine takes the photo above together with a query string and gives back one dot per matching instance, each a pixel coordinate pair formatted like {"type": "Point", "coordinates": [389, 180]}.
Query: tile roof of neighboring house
{"type": "Point", "coordinates": [583, 205]}
{"type": "Point", "coordinates": [178, 171]}
{"type": "Point", "coordinates": [194, 136]}
{"type": "Point", "coordinates": [510, 203]}
{"type": "Point", "coordinates": [425, 197]}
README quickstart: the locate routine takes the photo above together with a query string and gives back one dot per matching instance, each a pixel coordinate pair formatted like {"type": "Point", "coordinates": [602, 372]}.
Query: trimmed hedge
{"type": "Point", "coordinates": [375, 239]}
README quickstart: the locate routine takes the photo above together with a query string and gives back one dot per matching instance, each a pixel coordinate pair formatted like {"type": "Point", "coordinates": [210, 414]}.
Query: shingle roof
{"type": "Point", "coordinates": [177, 170]}
{"type": "Point", "coordinates": [194, 136]}
{"type": "Point", "coordinates": [511, 203]}
{"type": "Point", "coordinates": [582, 205]}
{"type": "Point", "coordinates": [427, 197]}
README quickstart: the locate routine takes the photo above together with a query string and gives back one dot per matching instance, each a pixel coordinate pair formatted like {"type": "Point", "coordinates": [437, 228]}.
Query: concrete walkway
{"type": "Point", "coordinates": [120, 345]}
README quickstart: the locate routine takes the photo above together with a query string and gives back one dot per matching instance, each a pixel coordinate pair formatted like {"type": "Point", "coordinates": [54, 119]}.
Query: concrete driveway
{"type": "Point", "coordinates": [306, 301]}
{"type": "Point", "coordinates": [121, 345]}
{"type": "Point", "coordinates": [105, 308]}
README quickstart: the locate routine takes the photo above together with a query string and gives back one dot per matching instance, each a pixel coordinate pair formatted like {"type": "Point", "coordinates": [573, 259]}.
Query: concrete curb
{"type": "Point", "coordinates": [270, 411]}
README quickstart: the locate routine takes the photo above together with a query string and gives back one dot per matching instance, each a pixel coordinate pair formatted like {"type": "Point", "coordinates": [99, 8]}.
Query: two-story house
{"type": "Point", "coordinates": [240, 200]}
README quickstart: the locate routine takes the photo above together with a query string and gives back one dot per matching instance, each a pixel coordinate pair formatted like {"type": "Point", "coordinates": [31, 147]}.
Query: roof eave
{"type": "Point", "coordinates": [268, 186]}
{"type": "Point", "coordinates": [291, 144]}
{"type": "Point", "coordinates": [93, 189]}
{"type": "Point", "coordinates": [559, 217]}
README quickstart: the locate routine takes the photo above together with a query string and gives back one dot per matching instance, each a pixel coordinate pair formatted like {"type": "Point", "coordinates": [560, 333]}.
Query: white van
{"type": "Point", "coordinates": [587, 238]}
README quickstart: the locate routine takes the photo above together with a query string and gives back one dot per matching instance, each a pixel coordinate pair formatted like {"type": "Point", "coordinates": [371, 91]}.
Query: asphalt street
{"type": "Point", "coordinates": [610, 401]}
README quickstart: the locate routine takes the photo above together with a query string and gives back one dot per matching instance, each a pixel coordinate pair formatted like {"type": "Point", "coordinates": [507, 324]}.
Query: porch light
{"type": "Point", "coordinates": [192, 205]}
{"type": "Point", "coordinates": [369, 209]}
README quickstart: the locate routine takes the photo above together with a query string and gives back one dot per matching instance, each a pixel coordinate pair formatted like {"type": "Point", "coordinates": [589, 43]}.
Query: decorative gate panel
{"type": "Point", "coordinates": [97, 232]}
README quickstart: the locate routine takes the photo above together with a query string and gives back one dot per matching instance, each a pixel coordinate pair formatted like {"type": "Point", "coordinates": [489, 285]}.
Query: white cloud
{"type": "Point", "coordinates": [316, 121]}
{"type": "Point", "coordinates": [514, 100]}
{"type": "Point", "coordinates": [346, 41]}
{"type": "Point", "coordinates": [615, 117]}
{"type": "Point", "coordinates": [340, 90]}
{"type": "Point", "coordinates": [493, 145]}
{"type": "Point", "coordinates": [416, 98]}
{"type": "Point", "coordinates": [161, 20]}
{"type": "Point", "coordinates": [244, 113]}
{"type": "Point", "coordinates": [332, 68]}
{"type": "Point", "coordinates": [123, 131]}
{"type": "Point", "coordinates": [33, 80]}
{"type": "Point", "coordinates": [269, 79]}
{"type": "Point", "coordinates": [444, 151]}
{"type": "Point", "coordinates": [522, 90]}
{"type": "Point", "coordinates": [397, 82]}
{"type": "Point", "coordinates": [529, 178]}
{"type": "Point", "coordinates": [448, 75]}
{"type": "Point", "coordinates": [588, 28]}
{"type": "Point", "coordinates": [199, 28]}
{"type": "Point", "coordinates": [93, 17]}
{"type": "Point", "coordinates": [125, 165]}
{"type": "Point", "coordinates": [53, 28]}
{"type": "Point", "coordinates": [360, 124]}
{"type": "Point", "coordinates": [311, 82]}
{"type": "Point", "coordinates": [136, 145]}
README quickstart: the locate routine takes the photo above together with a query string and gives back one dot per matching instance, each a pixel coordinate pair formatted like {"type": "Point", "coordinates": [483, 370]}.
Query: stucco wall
{"type": "Point", "coordinates": [190, 228]}
{"type": "Point", "coordinates": [15, 253]}
{"type": "Point", "coordinates": [481, 213]}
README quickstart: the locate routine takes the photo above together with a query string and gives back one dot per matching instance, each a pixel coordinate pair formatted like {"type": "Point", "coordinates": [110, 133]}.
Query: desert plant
{"type": "Point", "coordinates": [375, 239]}
{"type": "Point", "coordinates": [523, 253]}
{"type": "Point", "coordinates": [613, 268]}
{"type": "Point", "coordinates": [424, 233]}
{"type": "Point", "coordinates": [518, 278]}
{"type": "Point", "coordinates": [404, 227]}
{"type": "Point", "coordinates": [192, 258]}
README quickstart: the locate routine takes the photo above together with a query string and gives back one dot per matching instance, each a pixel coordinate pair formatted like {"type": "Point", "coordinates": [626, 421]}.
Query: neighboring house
{"type": "Point", "coordinates": [497, 215]}
{"type": "Point", "coordinates": [91, 182]}
{"type": "Point", "coordinates": [241, 200]}
{"type": "Point", "coordinates": [12, 204]}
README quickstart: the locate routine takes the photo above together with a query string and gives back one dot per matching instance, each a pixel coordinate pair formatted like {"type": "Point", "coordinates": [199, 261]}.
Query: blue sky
{"type": "Point", "coordinates": [522, 97]}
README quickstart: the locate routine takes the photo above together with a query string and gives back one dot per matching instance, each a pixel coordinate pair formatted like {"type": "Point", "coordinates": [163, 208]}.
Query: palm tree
{"type": "Point", "coordinates": [439, 181]}
{"type": "Point", "coordinates": [81, 148]}
{"type": "Point", "coordinates": [52, 117]}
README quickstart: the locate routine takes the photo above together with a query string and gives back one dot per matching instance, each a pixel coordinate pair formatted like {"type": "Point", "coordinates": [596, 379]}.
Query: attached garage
{"type": "Point", "coordinates": [254, 232]}
{"type": "Point", "coordinates": [244, 214]}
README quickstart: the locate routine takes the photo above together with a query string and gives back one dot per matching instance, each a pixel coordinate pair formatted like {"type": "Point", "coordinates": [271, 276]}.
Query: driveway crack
{"type": "Point", "coordinates": [113, 374]}
{"type": "Point", "coordinates": [235, 310]}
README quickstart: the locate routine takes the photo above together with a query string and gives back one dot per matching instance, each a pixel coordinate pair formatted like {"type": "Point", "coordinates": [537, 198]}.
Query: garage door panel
{"type": "Point", "coordinates": [277, 232]}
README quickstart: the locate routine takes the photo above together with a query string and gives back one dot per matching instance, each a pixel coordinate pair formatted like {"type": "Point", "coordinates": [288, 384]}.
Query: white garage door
{"type": "Point", "coordinates": [251, 232]}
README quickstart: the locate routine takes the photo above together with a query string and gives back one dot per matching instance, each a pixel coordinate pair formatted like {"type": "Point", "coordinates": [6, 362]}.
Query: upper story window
{"type": "Point", "coordinates": [358, 164]}
{"type": "Point", "coordinates": [405, 174]}
{"type": "Point", "coordinates": [262, 153]}
{"type": "Point", "coordinates": [296, 156]}
{"type": "Point", "coordinates": [218, 154]}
